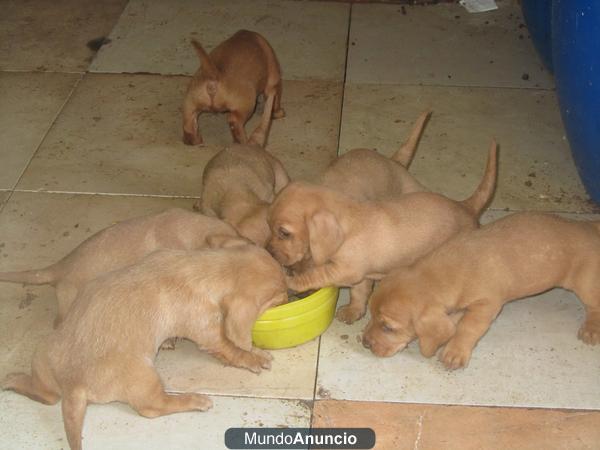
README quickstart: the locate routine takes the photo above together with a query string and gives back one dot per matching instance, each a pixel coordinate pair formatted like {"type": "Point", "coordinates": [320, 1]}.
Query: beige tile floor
{"type": "Point", "coordinates": [86, 141]}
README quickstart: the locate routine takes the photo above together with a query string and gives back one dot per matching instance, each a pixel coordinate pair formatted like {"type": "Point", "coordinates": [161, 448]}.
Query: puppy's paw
{"type": "Point", "coordinates": [590, 333]}
{"type": "Point", "coordinates": [255, 362]}
{"type": "Point", "coordinates": [265, 354]}
{"type": "Point", "coordinates": [201, 402]}
{"type": "Point", "coordinates": [348, 314]}
{"type": "Point", "coordinates": [455, 357]}
{"type": "Point", "coordinates": [279, 114]}
{"type": "Point", "coordinates": [191, 139]}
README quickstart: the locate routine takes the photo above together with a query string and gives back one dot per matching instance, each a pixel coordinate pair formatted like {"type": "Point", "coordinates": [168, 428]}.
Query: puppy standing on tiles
{"type": "Point", "coordinates": [104, 350]}
{"type": "Point", "coordinates": [229, 80]}
{"type": "Point", "coordinates": [476, 273]}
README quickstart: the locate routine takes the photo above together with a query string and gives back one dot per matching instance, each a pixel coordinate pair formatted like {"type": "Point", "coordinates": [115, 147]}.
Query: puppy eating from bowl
{"type": "Point", "coordinates": [475, 274]}
{"type": "Point", "coordinates": [105, 348]}
{"type": "Point", "coordinates": [240, 182]}
{"type": "Point", "coordinates": [351, 241]}
{"type": "Point", "coordinates": [118, 246]}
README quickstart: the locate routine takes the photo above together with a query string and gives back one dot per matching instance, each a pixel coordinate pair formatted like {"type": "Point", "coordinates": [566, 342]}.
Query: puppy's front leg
{"type": "Point", "coordinates": [359, 295]}
{"type": "Point", "coordinates": [227, 352]}
{"type": "Point", "coordinates": [473, 325]}
{"type": "Point", "coordinates": [328, 274]}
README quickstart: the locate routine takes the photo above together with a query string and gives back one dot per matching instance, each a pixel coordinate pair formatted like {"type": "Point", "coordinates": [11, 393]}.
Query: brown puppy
{"type": "Point", "coordinates": [351, 241]}
{"type": "Point", "coordinates": [365, 174]}
{"type": "Point", "coordinates": [229, 80]}
{"type": "Point", "coordinates": [105, 348]}
{"type": "Point", "coordinates": [240, 182]}
{"type": "Point", "coordinates": [477, 272]}
{"type": "Point", "coordinates": [118, 246]}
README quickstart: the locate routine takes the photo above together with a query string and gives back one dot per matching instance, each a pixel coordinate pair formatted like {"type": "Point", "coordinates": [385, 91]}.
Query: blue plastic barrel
{"type": "Point", "coordinates": [576, 58]}
{"type": "Point", "coordinates": [538, 17]}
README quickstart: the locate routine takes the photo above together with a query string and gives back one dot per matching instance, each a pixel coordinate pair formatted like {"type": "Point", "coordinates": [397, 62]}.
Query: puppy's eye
{"type": "Point", "coordinates": [386, 328]}
{"type": "Point", "coordinates": [283, 233]}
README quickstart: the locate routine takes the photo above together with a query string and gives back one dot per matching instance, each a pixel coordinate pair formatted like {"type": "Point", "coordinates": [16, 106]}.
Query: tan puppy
{"type": "Point", "coordinates": [365, 174]}
{"type": "Point", "coordinates": [477, 272]}
{"type": "Point", "coordinates": [118, 246]}
{"type": "Point", "coordinates": [229, 80]}
{"type": "Point", "coordinates": [351, 241]}
{"type": "Point", "coordinates": [105, 348]}
{"type": "Point", "coordinates": [240, 182]}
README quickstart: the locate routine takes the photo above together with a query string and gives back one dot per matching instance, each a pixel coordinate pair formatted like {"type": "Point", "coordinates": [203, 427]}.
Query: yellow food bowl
{"type": "Point", "coordinates": [296, 322]}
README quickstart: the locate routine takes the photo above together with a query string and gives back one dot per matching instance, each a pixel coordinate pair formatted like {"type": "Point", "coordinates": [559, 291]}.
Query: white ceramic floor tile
{"type": "Point", "coordinates": [443, 45]}
{"type": "Point", "coordinates": [30, 103]}
{"type": "Point", "coordinates": [34, 36]}
{"type": "Point", "coordinates": [530, 357]}
{"type": "Point", "coordinates": [122, 134]}
{"type": "Point", "coordinates": [309, 38]}
{"type": "Point", "coordinates": [37, 230]}
{"type": "Point", "coordinates": [536, 169]}
{"type": "Point", "coordinates": [28, 424]}
{"type": "Point", "coordinates": [291, 376]}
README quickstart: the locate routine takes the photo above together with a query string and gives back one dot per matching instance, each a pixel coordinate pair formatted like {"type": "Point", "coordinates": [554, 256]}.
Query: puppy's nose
{"type": "Point", "coordinates": [365, 342]}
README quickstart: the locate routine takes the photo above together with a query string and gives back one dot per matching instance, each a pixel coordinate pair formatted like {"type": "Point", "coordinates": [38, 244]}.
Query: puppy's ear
{"type": "Point", "coordinates": [433, 328]}
{"type": "Point", "coordinates": [325, 236]}
{"type": "Point", "coordinates": [226, 241]}
{"type": "Point", "coordinates": [208, 67]}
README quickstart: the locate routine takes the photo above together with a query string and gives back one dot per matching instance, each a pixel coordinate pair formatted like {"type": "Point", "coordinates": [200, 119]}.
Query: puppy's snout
{"type": "Point", "coordinates": [365, 342]}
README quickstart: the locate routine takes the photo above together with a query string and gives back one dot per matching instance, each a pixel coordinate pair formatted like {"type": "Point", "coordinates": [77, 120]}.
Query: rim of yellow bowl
{"type": "Point", "coordinates": [301, 306]}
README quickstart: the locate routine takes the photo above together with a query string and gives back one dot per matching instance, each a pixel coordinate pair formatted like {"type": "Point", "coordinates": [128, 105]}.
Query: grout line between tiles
{"type": "Point", "coordinates": [339, 134]}
{"type": "Point", "coordinates": [52, 123]}
{"type": "Point", "coordinates": [314, 396]}
{"type": "Point", "coordinates": [107, 194]}
{"type": "Point", "coordinates": [463, 86]}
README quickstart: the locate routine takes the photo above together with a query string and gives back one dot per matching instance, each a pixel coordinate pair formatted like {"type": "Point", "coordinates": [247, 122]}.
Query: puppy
{"type": "Point", "coordinates": [476, 273]}
{"type": "Point", "coordinates": [240, 182]}
{"type": "Point", "coordinates": [118, 246]}
{"type": "Point", "coordinates": [229, 80]}
{"type": "Point", "coordinates": [105, 348]}
{"type": "Point", "coordinates": [365, 174]}
{"type": "Point", "coordinates": [351, 241]}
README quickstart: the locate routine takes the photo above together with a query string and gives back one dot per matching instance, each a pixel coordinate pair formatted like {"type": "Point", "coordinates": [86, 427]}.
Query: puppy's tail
{"type": "Point", "coordinates": [208, 67]}
{"type": "Point", "coordinates": [74, 404]}
{"type": "Point", "coordinates": [405, 154]}
{"type": "Point", "coordinates": [484, 192]}
{"type": "Point", "coordinates": [41, 276]}
{"type": "Point", "coordinates": [259, 136]}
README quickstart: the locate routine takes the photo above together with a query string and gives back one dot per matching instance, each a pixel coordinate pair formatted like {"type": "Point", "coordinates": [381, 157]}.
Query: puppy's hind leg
{"type": "Point", "coordinates": [278, 111]}
{"type": "Point", "coordinates": [359, 295]}
{"type": "Point", "coordinates": [589, 293]}
{"type": "Point", "coordinates": [146, 394]}
{"type": "Point", "coordinates": [30, 386]}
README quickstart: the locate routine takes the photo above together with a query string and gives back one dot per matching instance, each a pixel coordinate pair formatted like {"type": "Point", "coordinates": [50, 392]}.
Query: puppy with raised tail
{"type": "Point", "coordinates": [105, 348]}
{"type": "Point", "coordinates": [229, 80]}
{"type": "Point", "coordinates": [119, 246]}
{"type": "Point", "coordinates": [476, 273]}
{"type": "Point", "coordinates": [365, 174]}
{"type": "Point", "coordinates": [351, 241]}
{"type": "Point", "coordinates": [240, 182]}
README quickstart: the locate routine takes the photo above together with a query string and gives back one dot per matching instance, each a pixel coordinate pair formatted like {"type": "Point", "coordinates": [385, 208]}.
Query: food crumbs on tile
{"type": "Point", "coordinates": [344, 336]}
{"type": "Point", "coordinates": [323, 393]}
{"type": "Point", "coordinates": [525, 76]}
